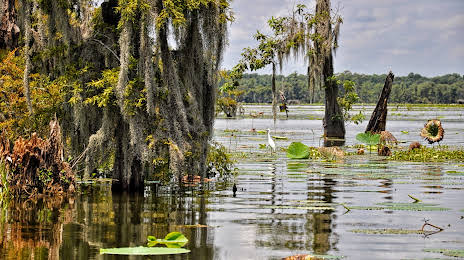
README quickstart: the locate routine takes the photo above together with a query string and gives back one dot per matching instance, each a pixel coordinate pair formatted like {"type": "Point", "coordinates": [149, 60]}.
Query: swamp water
{"type": "Point", "coordinates": [282, 207]}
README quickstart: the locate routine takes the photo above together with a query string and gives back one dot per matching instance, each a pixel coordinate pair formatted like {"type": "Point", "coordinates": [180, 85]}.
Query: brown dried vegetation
{"type": "Point", "coordinates": [414, 145]}
{"type": "Point", "coordinates": [36, 166]}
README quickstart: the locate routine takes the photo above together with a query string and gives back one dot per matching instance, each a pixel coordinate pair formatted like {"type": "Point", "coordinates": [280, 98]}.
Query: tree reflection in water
{"type": "Point", "coordinates": [77, 228]}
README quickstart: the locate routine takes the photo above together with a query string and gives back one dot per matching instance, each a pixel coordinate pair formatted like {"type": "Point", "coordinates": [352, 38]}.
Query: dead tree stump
{"type": "Point", "coordinates": [379, 116]}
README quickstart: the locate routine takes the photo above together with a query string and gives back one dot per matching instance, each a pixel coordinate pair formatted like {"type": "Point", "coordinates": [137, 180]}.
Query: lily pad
{"type": "Point", "coordinates": [447, 252]}
{"type": "Point", "coordinates": [298, 150]}
{"type": "Point", "coordinates": [368, 138]}
{"type": "Point", "coordinates": [143, 251]}
{"type": "Point", "coordinates": [172, 240]}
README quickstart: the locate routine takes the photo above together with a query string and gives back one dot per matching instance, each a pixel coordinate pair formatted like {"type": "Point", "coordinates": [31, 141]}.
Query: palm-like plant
{"type": "Point", "coordinates": [433, 131]}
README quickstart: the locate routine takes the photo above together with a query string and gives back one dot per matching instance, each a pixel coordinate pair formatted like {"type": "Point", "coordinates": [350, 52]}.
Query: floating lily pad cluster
{"type": "Point", "coordinates": [298, 150]}
{"type": "Point", "coordinates": [173, 242]}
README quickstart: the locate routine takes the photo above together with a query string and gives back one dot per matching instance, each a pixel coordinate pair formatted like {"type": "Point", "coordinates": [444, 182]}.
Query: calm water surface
{"type": "Point", "coordinates": [283, 207]}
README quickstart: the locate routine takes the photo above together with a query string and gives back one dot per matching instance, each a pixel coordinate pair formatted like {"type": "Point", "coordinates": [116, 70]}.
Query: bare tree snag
{"type": "Point", "coordinates": [379, 115]}
{"type": "Point", "coordinates": [9, 30]}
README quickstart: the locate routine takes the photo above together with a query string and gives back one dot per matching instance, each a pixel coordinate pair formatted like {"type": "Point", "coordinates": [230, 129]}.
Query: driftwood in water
{"type": "Point", "coordinates": [36, 166]}
{"type": "Point", "coordinates": [379, 116]}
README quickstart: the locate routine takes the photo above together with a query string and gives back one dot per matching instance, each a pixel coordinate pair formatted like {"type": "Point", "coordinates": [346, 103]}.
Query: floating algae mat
{"type": "Point", "coordinates": [447, 252]}
{"type": "Point", "coordinates": [387, 231]}
{"type": "Point", "coordinates": [402, 206]}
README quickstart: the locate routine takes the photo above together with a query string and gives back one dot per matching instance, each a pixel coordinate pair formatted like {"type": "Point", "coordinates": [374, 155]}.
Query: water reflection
{"type": "Point", "coordinates": [77, 228]}
{"type": "Point", "coordinates": [33, 229]}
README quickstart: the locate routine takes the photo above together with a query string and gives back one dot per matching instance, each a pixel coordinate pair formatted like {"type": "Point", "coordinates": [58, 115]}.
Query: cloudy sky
{"type": "Point", "coordinates": [420, 36]}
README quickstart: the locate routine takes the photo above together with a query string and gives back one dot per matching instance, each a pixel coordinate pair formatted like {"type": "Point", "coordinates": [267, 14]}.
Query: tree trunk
{"type": "Point", "coordinates": [27, 56]}
{"type": "Point", "coordinates": [379, 115]}
{"type": "Point", "coordinates": [274, 94]}
{"type": "Point", "coordinates": [334, 126]}
{"type": "Point", "coordinates": [310, 86]}
{"type": "Point", "coordinates": [9, 30]}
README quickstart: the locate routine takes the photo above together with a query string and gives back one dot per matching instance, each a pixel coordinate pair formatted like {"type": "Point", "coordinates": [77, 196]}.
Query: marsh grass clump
{"type": "Point", "coordinates": [219, 161]}
{"type": "Point", "coordinates": [433, 131]}
{"type": "Point", "coordinates": [425, 154]}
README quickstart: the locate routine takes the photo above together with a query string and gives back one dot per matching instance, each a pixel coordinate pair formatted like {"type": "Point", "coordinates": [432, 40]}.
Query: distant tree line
{"type": "Point", "coordinates": [412, 88]}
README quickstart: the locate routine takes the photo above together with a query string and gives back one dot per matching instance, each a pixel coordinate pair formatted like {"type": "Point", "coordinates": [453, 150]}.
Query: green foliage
{"type": "Point", "coordinates": [143, 251]}
{"type": "Point", "coordinates": [47, 97]}
{"type": "Point", "coordinates": [175, 11]}
{"type": "Point", "coordinates": [298, 150]}
{"type": "Point", "coordinates": [425, 154]}
{"type": "Point", "coordinates": [45, 176]}
{"type": "Point", "coordinates": [347, 101]}
{"type": "Point", "coordinates": [444, 89]}
{"type": "Point", "coordinates": [104, 87]}
{"type": "Point", "coordinates": [368, 138]}
{"type": "Point", "coordinates": [3, 179]}
{"type": "Point", "coordinates": [219, 161]}
{"type": "Point", "coordinates": [172, 240]}
{"type": "Point", "coordinates": [447, 252]}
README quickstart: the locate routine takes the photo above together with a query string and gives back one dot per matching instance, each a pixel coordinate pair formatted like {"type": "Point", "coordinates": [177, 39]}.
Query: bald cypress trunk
{"type": "Point", "coordinates": [274, 94]}
{"type": "Point", "coordinates": [334, 126]}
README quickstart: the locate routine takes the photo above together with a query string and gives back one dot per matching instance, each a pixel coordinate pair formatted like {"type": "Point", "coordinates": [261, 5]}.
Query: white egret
{"type": "Point", "coordinates": [270, 141]}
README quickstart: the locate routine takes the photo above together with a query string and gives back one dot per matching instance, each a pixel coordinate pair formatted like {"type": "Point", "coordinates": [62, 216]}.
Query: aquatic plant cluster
{"type": "Point", "coordinates": [429, 154]}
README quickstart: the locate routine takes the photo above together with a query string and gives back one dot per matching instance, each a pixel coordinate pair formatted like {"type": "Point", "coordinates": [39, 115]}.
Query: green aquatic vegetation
{"type": "Point", "coordinates": [143, 251]}
{"type": "Point", "coordinates": [368, 138]}
{"type": "Point", "coordinates": [447, 252]}
{"type": "Point", "coordinates": [3, 179]}
{"type": "Point", "coordinates": [172, 240]}
{"type": "Point", "coordinates": [299, 207]}
{"type": "Point", "coordinates": [425, 154]}
{"type": "Point", "coordinates": [388, 231]}
{"type": "Point", "coordinates": [313, 257]}
{"type": "Point", "coordinates": [280, 137]}
{"type": "Point", "coordinates": [402, 206]}
{"type": "Point", "coordinates": [454, 173]}
{"type": "Point", "coordinates": [219, 160]}
{"type": "Point", "coordinates": [298, 150]}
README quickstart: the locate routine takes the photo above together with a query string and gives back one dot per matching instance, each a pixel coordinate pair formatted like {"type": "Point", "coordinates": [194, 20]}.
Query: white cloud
{"type": "Point", "coordinates": [421, 36]}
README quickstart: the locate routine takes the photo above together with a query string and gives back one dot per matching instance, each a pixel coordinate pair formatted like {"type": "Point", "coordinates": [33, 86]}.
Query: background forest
{"type": "Point", "coordinates": [413, 88]}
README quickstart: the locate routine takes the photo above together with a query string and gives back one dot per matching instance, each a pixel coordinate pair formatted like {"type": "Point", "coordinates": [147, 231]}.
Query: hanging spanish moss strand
{"type": "Point", "coordinates": [27, 55]}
